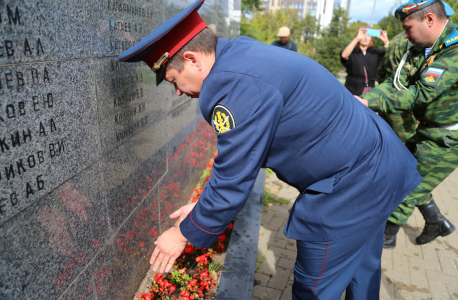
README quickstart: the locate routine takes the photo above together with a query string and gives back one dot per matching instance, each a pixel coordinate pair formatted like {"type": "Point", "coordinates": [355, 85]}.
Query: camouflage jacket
{"type": "Point", "coordinates": [432, 89]}
{"type": "Point", "coordinates": [399, 45]}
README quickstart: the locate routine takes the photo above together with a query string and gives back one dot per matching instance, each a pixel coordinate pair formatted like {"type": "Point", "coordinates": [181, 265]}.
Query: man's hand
{"type": "Point", "coordinates": [365, 102]}
{"type": "Point", "coordinates": [182, 212]}
{"type": "Point", "coordinates": [169, 246]}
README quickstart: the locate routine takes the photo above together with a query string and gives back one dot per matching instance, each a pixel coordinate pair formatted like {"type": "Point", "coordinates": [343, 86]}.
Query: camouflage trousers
{"type": "Point", "coordinates": [403, 124]}
{"type": "Point", "coordinates": [435, 163]}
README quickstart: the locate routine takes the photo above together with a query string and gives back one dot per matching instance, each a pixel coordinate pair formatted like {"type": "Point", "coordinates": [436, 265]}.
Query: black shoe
{"type": "Point", "coordinates": [390, 235]}
{"type": "Point", "coordinates": [435, 224]}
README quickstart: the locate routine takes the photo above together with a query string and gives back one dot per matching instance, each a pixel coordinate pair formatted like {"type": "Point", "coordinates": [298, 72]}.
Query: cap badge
{"type": "Point", "coordinates": [157, 65]}
{"type": "Point", "coordinates": [410, 8]}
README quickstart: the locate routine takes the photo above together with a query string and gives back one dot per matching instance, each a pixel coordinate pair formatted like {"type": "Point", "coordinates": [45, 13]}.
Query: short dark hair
{"type": "Point", "coordinates": [437, 9]}
{"type": "Point", "coordinates": [204, 42]}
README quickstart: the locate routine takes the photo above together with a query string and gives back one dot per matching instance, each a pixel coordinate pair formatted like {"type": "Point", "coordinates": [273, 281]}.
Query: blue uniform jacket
{"type": "Point", "coordinates": [293, 116]}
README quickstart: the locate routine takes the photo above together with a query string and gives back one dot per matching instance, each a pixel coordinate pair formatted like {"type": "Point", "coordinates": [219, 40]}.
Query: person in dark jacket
{"type": "Point", "coordinates": [283, 39]}
{"type": "Point", "coordinates": [361, 60]}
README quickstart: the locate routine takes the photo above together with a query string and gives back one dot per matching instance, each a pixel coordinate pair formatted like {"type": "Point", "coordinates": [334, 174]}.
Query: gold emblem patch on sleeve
{"type": "Point", "coordinates": [222, 119]}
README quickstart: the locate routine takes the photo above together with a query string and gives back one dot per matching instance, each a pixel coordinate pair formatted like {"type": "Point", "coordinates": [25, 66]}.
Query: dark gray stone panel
{"type": "Point", "coordinates": [118, 25]}
{"type": "Point", "coordinates": [44, 248]}
{"type": "Point", "coordinates": [49, 129]}
{"type": "Point", "coordinates": [128, 100]}
{"type": "Point", "coordinates": [44, 30]}
{"type": "Point", "coordinates": [123, 260]}
{"type": "Point", "coordinates": [131, 170]}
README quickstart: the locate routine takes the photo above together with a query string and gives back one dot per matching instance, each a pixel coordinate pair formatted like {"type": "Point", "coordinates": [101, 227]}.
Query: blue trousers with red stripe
{"type": "Point", "coordinates": [324, 270]}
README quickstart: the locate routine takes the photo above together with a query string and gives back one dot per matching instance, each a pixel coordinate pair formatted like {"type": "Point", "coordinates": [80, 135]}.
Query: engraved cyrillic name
{"type": "Point", "coordinates": [29, 138]}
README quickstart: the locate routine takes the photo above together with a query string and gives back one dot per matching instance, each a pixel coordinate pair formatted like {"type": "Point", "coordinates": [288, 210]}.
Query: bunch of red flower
{"type": "Point", "coordinates": [145, 296]}
{"type": "Point", "coordinates": [161, 286]}
{"type": "Point", "coordinates": [202, 260]}
{"type": "Point", "coordinates": [205, 280]}
{"type": "Point", "coordinates": [189, 249]}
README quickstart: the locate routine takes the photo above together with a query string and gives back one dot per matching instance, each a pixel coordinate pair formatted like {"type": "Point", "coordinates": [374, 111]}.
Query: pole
{"type": "Point", "coordinates": [373, 11]}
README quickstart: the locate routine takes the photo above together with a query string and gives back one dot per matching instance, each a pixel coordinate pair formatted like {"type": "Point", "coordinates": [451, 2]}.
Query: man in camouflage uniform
{"type": "Point", "coordinates": [426, 83]}
{"type": "Point", "coordinates": [403, 123]}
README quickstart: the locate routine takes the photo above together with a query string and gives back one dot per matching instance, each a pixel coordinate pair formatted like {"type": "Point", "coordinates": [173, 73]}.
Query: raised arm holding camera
{"type": "Point", "coordinates": [361, 60]}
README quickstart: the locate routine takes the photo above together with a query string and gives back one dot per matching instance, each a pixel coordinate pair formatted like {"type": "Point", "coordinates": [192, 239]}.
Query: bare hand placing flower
{"type": "Point", "coordinates": [168, 248]}
{"type": "Point", "coordinates": [171, 243]}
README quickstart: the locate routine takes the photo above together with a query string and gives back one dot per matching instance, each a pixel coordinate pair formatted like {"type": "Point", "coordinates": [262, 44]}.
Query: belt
{"type": "Point", "coordinates": [448, 126]}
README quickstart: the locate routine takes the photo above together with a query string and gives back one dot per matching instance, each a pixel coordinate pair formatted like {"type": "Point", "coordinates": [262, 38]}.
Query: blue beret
{"type": "Point", "coordinates": [166, 40]}
{"type": "Point", "coordinates": [414, 5]}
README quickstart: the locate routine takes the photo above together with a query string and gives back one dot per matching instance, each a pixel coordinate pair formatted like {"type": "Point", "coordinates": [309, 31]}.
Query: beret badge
{"type": "Point", "coordinates": [410, 8]}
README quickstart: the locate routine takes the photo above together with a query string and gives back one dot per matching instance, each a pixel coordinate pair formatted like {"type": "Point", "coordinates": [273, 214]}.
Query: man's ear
{"type": "Point", "coordinates": [430, 18]}
{"type": "Point", "coordinates": [193, 58]}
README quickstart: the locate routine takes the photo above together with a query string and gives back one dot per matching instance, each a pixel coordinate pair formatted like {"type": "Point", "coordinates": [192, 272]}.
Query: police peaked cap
{"type": "Point", "coordinates": [166, 40]}
{"type": "Point", "coordinates": [414, 5]}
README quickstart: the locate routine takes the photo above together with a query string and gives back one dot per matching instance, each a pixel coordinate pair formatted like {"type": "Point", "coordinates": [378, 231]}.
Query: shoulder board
{"type": "Point", "coordinates": [452, 38]}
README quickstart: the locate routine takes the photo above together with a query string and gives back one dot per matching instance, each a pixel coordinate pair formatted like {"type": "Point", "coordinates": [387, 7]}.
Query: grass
{"type": "Point", "coordinates": [270, 197]}
{"type": "Point", "coordinates": [215, 266]}
{"type": "Point", "coordinates": [268, 172]}
{"type": "Point", "coordinates": [260, 259]}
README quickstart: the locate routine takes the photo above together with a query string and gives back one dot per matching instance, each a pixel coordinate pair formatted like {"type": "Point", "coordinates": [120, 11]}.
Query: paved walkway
{"type": "Point", "coordinates": [408, 271]}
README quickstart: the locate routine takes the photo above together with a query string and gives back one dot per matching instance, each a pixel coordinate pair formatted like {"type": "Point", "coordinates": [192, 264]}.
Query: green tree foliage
{"type": "Point", "coordinates": [453, 4]}
{"type": "Point", "coordinates": [263, 27]}
{"type": "Point", "coordinates": [250, 5]}
{"type": "Point", "coordinates": [334, 39]}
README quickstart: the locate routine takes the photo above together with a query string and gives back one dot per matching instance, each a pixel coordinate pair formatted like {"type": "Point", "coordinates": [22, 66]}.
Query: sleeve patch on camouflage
{"type": "Point", "coordinates": [452, 38]}
{"type": "Point", "coordinates": [222, 119]}
{"type": "Point", "coordinates": [432, 75]}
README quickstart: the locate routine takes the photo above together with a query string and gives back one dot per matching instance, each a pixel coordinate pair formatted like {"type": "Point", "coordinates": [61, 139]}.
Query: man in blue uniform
{"type": "Point", "coordinates": [282, 110]}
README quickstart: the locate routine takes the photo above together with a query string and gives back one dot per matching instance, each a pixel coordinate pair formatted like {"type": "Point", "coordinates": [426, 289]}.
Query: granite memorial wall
{"type": "Point", "coordinates": [94, 157]}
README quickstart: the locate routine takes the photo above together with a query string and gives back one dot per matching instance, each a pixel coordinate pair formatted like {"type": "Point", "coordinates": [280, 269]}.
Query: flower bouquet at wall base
{"type": "Point", "coordinates": [195, 273]}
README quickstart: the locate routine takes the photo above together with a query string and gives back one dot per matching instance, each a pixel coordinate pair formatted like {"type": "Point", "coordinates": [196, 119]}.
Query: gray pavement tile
{"type": "Point", "coordinates": [269, 261]}
{"type": "Point", "coordinates": [439, 290]}
{"type": "Point", "coordinates": [286, 263]}
{"type": "Point", "coordinates": [279, 280]}
{"type": "Point", "coordinates": [277, 242]}
{"type": "Point", "coordinates": [265, 293]}
{"type": "Point", "coordinates": [274, 224]}
{"type": "Point", "coordinates": [449, 266]}
{"type": "Point", "coordinates": [261, 279]}
{"type": "Point", "coordinates": [291, 245]}
{"type": "Point", "coordinates": [418, 277]}
{"type": "Point", "coordinates": [280, 252]}
{"type": "Point", "coordinates": [287, 293]}
{"type": "Point", "coordinates": [280, 235]}
{"type": "Point", "coordinates": [453, 291]}
{"type": "Point", "coordinates": [267, 217]}
{"type": "Point", "coordinates": [441, 277]}
{"type": "Point", "coordinates": [279, 208]}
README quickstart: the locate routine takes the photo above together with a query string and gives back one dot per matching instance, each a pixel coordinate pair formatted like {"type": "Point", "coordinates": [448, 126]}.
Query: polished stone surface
{"type": "Point", "coordinates": [93, 155]}
{"type": "Point", "coordinates": [48, 129]}
{"type": "Point", "coordinates": [238, 273]}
